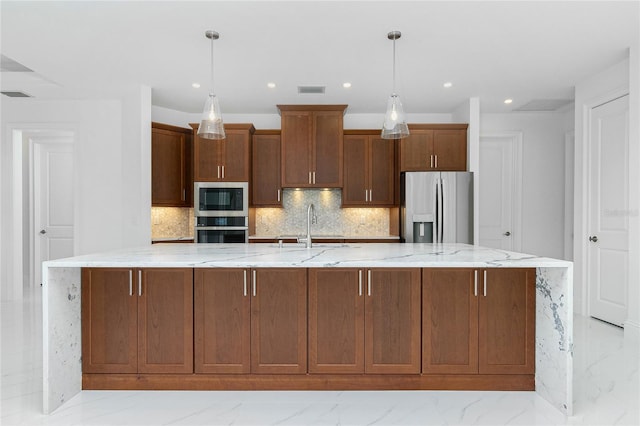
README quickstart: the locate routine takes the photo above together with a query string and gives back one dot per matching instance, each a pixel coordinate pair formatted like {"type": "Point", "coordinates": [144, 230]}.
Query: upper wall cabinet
{"type": "Point", "coordinates": [369, 169]}
{"type": "Point", "coordinates": [223, 160]}
{"type": "Point", "coordinates": [265, 185]}
{"type": "Point", "coordinates": [434, 147]}
{"type": "Point", "coordinates": [312, 145]}
{"type": "Point", "coordinates": [171, 171]}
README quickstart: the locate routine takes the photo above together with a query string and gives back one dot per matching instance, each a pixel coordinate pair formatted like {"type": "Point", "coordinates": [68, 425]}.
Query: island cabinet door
{"type": "Point", "coordinates": [165, 320]}
{"type": "Point", "coordinates": [279, 321]}
{"type": "Point", "coordinates": [109, 321]}
{"type": "Point", "coordinates": [222, 321]}
{"type": "Point", "coordinates": [336, 320]}
{"type": "Point", "coordinates": [392, 321]}
{"type": "Point", "coordinates": [450, 321]}
{"type": "Point", "coordinates": [507, 321]}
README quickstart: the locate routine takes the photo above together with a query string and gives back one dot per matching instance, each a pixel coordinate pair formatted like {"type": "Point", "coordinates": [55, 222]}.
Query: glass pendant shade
{"type": "Point", "coordinates": [395, 124]}
{"type": "Point", "coordinates": [211, 126]}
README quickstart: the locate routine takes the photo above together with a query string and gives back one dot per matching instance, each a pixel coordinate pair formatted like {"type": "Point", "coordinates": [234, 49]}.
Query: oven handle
{"type": "Point", "coordinates": [222, 228]}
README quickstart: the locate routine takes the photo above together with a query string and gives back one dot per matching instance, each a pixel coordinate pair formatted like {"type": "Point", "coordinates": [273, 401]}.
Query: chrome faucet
{"type": "Point", "coordinates": [311, 218]}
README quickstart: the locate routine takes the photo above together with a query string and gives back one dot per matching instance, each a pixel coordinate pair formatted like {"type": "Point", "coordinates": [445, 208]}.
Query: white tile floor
{"type": "Point", "coordinates": [606, 391]}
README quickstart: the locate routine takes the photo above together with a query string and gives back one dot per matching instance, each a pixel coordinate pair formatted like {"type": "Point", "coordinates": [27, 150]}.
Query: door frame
{"type": "Point", "coordinates": [35, 140]}
{"type": "Point", "coordinates": [20, 219]}
{"type": "Point", "coordinates": [516, 211]}
{"type": "Point", "coordinates": [582, 217]}
{"type": "Point", "coordinates": [569, 190]}
{"type": "Point", "coordinates": [581, 197]}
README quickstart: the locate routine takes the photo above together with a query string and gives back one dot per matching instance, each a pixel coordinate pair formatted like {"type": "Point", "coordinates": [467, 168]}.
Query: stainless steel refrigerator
{"type": "Point", "coordinates": [436, 207]}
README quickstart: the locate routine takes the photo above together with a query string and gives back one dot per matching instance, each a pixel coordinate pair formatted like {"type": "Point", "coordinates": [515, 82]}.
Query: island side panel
{"type": "Point", "coordinates": [62, 348]}
{"type": "Point", "coordinates": [554, 337]}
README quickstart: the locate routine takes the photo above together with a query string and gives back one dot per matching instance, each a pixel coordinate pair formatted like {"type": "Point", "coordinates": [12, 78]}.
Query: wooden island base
{"type": "Point", "coordinates": [502, 382]}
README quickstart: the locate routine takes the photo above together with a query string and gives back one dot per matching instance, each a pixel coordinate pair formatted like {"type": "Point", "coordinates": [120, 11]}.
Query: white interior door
{"type": "Point", "coordinates": [608, 214]}
{"type": "Point", "coordinates": [52, 202]}
{"type": "Point", "coordinates": [499, 207]}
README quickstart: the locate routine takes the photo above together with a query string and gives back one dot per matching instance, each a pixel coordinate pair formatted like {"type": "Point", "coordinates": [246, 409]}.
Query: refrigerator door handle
{"type": "Point", "coordinates": [444, 209]}
{"type": "Point", "coordinates": [436, 204]}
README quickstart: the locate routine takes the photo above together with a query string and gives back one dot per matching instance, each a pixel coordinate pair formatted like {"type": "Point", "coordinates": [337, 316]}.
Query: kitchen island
{"type": "Point", "coordinates": [62, 328]}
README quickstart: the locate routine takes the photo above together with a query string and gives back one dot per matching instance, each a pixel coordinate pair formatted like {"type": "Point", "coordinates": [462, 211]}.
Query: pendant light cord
{"type": "Point", "coordinates": [211, 90]}
{"type": "Point", "coordinates": [394, 66]}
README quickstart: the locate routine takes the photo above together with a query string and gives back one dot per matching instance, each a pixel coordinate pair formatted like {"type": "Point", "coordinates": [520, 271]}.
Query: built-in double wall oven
{"type": "Point", "coordinates": [221, 211]}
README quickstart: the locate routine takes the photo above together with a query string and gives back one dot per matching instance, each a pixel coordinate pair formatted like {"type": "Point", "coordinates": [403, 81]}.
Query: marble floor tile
{"type": "Point", "coordinates": [605, 385]}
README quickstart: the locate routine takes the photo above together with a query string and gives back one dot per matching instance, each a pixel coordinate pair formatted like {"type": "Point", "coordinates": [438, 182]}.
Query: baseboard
{"type": "Point", "coordinates": [503, 382]}
{"type": "Point", "coordinates": [631, 331]}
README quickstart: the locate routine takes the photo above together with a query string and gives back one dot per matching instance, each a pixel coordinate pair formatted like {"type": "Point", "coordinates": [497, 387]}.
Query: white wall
{"type": "Point", "coordinates": [469, 112]}
{"type": "Point", "coordinates": [112, 188]}
{"type": "Point", "coordinates": [632, 325]}
{"type": "Point", "coordinates": [272, 121]}
{"type": "Point", "coordinates": [619, 79]}
{"type": "Point", "coordinates": [597, 89]}
{"type": "Point", "coordinates": [542, 176]}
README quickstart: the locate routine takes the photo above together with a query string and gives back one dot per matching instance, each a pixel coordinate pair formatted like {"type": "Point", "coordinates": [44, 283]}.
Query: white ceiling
{"type": "Point", "coordinates": [493, 50]}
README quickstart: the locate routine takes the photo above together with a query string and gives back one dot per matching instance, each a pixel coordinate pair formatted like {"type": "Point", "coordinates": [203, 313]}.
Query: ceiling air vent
{"type": "Point", "coordinates": [311, 89]}
{"type": "Point", "coordinates": [16, 94]}
{"type": "Point", "coordinates": [544, 105]}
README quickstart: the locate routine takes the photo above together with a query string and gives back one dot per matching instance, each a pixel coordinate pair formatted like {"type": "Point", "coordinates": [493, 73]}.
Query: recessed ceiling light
{"type": "Point", "coordinates": [271, 85]}
{"type": "Point", "coordinates": [508, 101]}
{"type": "Point", "coordinates": [346, 85]}
{"type": "Point", "coordinates": [196, 85]}
{"type": "Point", "coordinates": [447, 84]}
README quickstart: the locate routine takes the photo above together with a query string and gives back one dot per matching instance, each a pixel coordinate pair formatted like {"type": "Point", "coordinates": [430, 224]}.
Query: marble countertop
{"type": "Point", "coordinates": [320, 255]}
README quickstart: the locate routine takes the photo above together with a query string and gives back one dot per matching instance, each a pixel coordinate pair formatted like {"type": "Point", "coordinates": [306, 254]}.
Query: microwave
{"type": "Point", "coordinates": [221, 199]}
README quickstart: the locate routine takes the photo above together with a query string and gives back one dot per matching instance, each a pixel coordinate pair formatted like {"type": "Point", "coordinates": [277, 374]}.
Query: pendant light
{"type": "Point", "coordinates": [395, 124]}
{"type": "Point", "coordinates": [211, 126]}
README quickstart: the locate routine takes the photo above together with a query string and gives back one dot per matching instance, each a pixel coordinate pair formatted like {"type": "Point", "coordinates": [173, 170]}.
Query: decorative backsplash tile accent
{"type": "Point", "coordinates": [332, 220]}
{"type": "Point", "coordinates": [171, 222]}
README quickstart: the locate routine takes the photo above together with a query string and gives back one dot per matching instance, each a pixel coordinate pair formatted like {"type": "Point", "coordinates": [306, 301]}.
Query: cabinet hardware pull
{"type": "Point", "coordinates": [223, 168]}
{"type": "Point", "coordinates": [309, 178]}
{"type": "Point", "coordinates": [184, 194]}
{"type": "Point", "coordinates": [485, 283]}
{"type": "Point", "coordinates": [359, 282]}
{"type": "Point", "coordinates": [278, 195]}
{"type": "Point", "coordinates": [369, 283]}
{"type": "Point", "coordinates": [218, 172]}
{"type": "Point", "coordinates": [314, 178]}
{"type": "Point", "coordinates": [140, 282]}
{"type": "Point", "coordinates": [475, 283]}
{"type": "Point", "coordinates": [366, 195]}
{"type": "Point", "coordinates": [431, 158]}
{"type": "Point", "coordinates": [245, 283]}
{"type": "Point", "coordinates": [254, 283]}
{"type": "Point", "coordinates": [130, 282]}
{"type": "Point", "coordinates": [436, 161]}
{"type": "Point", "coordinates": [371, 195]}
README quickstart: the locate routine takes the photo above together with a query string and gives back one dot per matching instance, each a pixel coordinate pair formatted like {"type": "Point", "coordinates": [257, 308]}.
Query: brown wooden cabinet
{"type": "Point", "coordinates": [279, 321]}
{"type": "Point", "coordinates": [171, 166]}
{"type": "Point", "coordinates": [266, 189]}
{"type": "Point", "coordinates": [478, 321]}
{"type": "Point", "coordinates": [369, 169]}
{"type": "Point", "coordinates": [311, 143]}
{"type": "Point", "coordinates": [392, 318]}
{"type": "Point", "coordinates": [434, 147]}
{"type": "Point", "coordinates": [222, 321]}
{"type": "Point", "coordinates": [225, 160]}
{"type": "Point", "coordinates": [251, 321]}
{"type": "Point", "coordinates": [137, 320]}
{"type": "Point", "coordinates": [336, 320]}
{"type": "Point", "coordinates": [364, 321]}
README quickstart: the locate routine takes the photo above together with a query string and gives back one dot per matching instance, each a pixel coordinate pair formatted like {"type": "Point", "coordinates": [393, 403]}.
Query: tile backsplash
{"type": "Point", "coordinates": [332, 220]}
{"type": "Point", "coordinates": [177, 222]}
{"type": "Point", "coordinates": [171, 222]}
